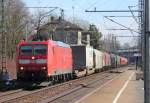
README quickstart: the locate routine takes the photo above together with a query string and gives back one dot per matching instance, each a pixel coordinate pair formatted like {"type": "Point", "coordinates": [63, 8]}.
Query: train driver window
{"type": "Point", "coordinates": [40, 49]}
{"type": "Point", "coordinates": [26, 50]}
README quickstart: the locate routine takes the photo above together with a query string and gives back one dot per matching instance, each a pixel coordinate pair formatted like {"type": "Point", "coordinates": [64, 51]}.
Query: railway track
{"type": "Point", "coordinates": [74, 95]}
{"type": "Point", "coordinates": [102, 79]}
{"type": "Point", "coordinates": [52, 91]}
{"type": "Point", "coordinates": [9, 93]}
{"type": "Point", "coordinates": [12, 94]}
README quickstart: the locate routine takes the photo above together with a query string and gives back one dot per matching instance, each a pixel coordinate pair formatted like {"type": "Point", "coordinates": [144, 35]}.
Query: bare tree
{"type": "Point", "coordinates": [110, 43]}
{"type": "Point", "coordinates": [126, 46]}
{"type": "Point", "coordinates": [41, 18]}
{"type": "Point", "coordinates": [14, 24]}
{"type": "Point", "coordinates": [83, 23]}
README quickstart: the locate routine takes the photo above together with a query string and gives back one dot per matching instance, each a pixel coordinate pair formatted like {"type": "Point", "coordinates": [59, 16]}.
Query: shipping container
{"type": "Point", "coordinates": [106, 60]}
{"type": "Point", "coordinates": [113, 60]}
{"type": "Point", "coordinates": [98, 60]}
{"type": "Point", "coordinates": [82, 56]}
{"type": "Point", "coordinates": [123, 61]}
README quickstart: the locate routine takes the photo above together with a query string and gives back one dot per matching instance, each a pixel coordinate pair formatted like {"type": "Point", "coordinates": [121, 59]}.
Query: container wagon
{"type": "Point", "coordinates": [82, 60]}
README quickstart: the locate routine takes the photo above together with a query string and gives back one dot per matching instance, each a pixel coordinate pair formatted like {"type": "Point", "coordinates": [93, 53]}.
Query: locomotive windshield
{"type": "Point", "coordinates": [26, 50]}
{"type": "Point", "coordinates": [40, 49]}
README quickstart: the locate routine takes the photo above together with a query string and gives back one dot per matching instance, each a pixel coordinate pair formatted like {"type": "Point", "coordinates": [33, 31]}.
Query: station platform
{"type": "Point", "coordinates": [122, 89]}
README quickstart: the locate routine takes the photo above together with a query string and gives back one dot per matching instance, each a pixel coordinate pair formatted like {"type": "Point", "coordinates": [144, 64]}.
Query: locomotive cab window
{"type": "Point", "coordinates": [40, 49]}
{"type": "Point", "coordinates": [26, 50]}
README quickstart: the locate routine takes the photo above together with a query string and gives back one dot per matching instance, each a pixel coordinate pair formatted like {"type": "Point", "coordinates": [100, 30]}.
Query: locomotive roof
{"type": "Point", "coordinates": [33, 42]}
{"type": "Point", "coordinates": [58, 43]}
{"type": "Point", "coordinates": [62, 44]}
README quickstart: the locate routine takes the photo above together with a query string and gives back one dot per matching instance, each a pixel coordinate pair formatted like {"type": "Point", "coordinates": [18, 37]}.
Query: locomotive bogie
{"type": "Point", "coordinates": [82, 60]}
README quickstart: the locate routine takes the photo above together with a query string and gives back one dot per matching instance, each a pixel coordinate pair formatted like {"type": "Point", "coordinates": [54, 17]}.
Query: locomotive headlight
{"type": "Point", "coordinates": [40, 61]}
{"type": "Point", "coordinates": [21, 68]}
{"type": "Point", "coordinates": [24, 61]}
{"type": "Point", "coordinates": [43, 68]}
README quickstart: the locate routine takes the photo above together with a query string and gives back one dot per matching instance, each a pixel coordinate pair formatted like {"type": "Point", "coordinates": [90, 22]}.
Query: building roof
{"type": "Point", "coordinates": [61, 24]}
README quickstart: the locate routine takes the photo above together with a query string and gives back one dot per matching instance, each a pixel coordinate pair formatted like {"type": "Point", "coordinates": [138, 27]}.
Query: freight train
{"type": "Point", "coordinates": [56, 61]}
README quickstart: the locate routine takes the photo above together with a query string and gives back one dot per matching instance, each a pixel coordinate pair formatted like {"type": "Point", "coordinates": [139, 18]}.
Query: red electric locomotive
{"type": "Point", "coordinates": [42, 60]}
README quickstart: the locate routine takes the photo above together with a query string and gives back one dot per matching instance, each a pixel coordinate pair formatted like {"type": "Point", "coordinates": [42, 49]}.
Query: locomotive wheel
{"type": "Point", "coordinates": [59, 78]}
{"type": "Point", "coordinates": [64, 77]}
{"type": "Point", "coordinates": [67, 77]}
{"type": "Point", "coordinates": [71, 76]}
{"type": "Point", "coordinates": [55, 79]}
{"type": "Point", "coordinates": [52, 80]}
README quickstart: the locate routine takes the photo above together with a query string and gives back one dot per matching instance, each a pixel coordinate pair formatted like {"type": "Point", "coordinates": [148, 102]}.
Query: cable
{"type": "Point", "coordinates": [121, 25]}
{"type": "Point", "coordinates": [133, 14]}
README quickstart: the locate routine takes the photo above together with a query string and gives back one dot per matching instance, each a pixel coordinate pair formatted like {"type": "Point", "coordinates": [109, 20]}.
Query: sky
{"type": "Point", "coordinates": [95, 18]}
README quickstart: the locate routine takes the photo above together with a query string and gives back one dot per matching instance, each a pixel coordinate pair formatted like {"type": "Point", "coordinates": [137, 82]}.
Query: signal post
{"type": "Point", "coordinates": [147, 51]}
